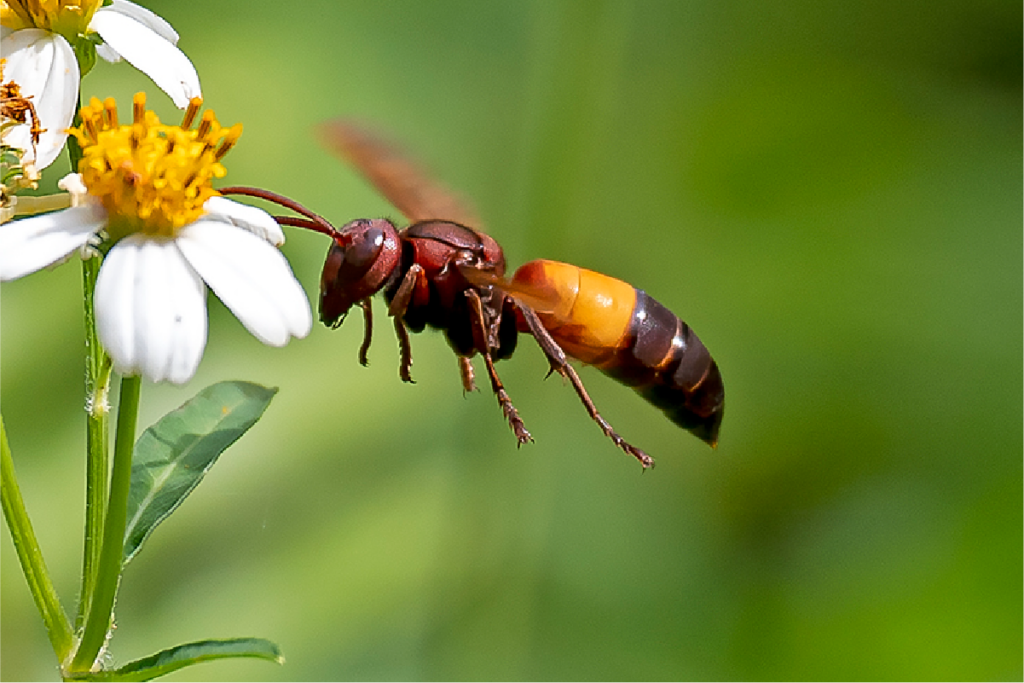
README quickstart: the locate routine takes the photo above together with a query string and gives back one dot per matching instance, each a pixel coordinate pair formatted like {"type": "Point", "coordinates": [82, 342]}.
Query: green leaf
{"type": "Point", "coordinates": [180, 656]}
{"type": "Point", "coordinates": [174, 455]}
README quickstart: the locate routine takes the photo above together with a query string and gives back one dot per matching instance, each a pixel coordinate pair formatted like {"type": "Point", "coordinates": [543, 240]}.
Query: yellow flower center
{"type": "Point", "coordinates": [151, 178]}
{"type": "Point", "coordinates": [69, 18]}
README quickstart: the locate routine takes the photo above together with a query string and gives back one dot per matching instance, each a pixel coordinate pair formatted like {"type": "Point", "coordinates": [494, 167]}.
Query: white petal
{"type": "Point", "coordinates": [149, 19]}
{"type": "Point", "coordinates": [29, 244]}
{"type": "Point", "coordinates": [108, 53]}
{"type": "Point", "coordinates": [251, 277]}
{"type": "Point", "coordinates": [255, 220]}
{"type": "Point", "coordinates": [44, 65]}
{"type": "Point", "coordinates": [142, 15]}
{"type": "Point", "coordinates": [151, 54]}
{"type": "Point", "coordinates": [151, 310]}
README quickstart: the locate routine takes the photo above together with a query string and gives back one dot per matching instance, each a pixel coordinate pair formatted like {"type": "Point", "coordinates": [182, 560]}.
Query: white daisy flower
{"type": "Point", "coordinates": [146, 189]}
{"type": "Point", "coordinates": [37, 39]}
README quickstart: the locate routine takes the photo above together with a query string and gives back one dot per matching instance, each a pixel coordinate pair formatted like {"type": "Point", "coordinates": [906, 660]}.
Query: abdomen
{"type": "Point", "coordinates": [632, 338]}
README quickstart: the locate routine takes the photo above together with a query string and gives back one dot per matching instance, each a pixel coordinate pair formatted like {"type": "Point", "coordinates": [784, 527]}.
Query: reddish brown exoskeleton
{"type": "Point", "coordinates": [440, 272]}
{"type": "Point", "coordinates": [421, 269]}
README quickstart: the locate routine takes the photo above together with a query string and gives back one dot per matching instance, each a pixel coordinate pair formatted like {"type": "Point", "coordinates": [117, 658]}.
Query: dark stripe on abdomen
{"type": "Point", "coordinates": [665, 362]}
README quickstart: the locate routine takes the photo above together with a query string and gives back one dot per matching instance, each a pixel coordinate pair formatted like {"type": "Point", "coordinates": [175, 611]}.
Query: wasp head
{"type": "Point", "coordinates": [363, 257]}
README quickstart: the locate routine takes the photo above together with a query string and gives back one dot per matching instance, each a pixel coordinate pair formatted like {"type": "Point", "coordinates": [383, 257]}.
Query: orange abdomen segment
{"type": "Point", "coordinates": [630, 337]}
{"type": "Point", "coordinates": [587, 313]}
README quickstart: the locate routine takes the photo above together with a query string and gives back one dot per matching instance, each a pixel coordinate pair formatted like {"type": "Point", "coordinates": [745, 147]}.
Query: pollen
{"type": "Point", "coordinates": [150, 177]}
{"type": "Point", "coordinates": [16, 108]}
{"type": "Point", "coordinates": [67, 17]}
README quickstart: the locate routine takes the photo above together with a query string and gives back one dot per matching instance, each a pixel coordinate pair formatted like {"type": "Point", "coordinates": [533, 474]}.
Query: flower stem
{"type": "Point", "coordinates": [101, 607]}
{"type": "Point", "coordinates": [30, 556]}
{"type": "Point", "coordinates": [97, 391]}
{"type": "Point", "coordinates": [97, 387]}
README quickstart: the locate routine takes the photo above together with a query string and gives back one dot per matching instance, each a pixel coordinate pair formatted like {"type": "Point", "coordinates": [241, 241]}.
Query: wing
{"type": "Point", "coordinates": [396, 177]}
{"type": "Point", "coordinates": [537, 298]}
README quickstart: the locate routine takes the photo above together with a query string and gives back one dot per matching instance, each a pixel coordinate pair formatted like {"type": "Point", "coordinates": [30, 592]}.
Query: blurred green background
{"type": "Point", "coordinates": [829, 193]}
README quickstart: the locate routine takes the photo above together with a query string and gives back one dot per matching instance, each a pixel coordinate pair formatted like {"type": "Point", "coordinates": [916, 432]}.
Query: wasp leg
{"type": "Point", "coordinates": [399, 304]}
{"type": "Point", "coordinates": [367, 331]}
{"type": "Point", "coordinates": [405, 350]}
{"type": "Point", "coordinates": [480, 337]}
{"type": "Point", "coordinates": [559, 364]}
{"type": "Point", "coordinates": [511, 414]}
{"type": "Point", "coordinates": [466, 371]}
{"type": "Point", "coordinates": [403, 295]}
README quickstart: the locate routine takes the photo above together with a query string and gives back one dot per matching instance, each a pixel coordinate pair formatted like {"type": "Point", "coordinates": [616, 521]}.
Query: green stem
{"type": "Point", "coordinates": [30, 556]}
{"type": "Point", "coordinates": [97, 387]}
{"type": "Point", "coordinates": [101, 607]}
{"type": "Point", "coordinates": [97, 390]}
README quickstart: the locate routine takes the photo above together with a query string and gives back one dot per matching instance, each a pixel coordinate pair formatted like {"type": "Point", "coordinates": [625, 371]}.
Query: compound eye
{"type": "Point", "coordinates": [365, 248]}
